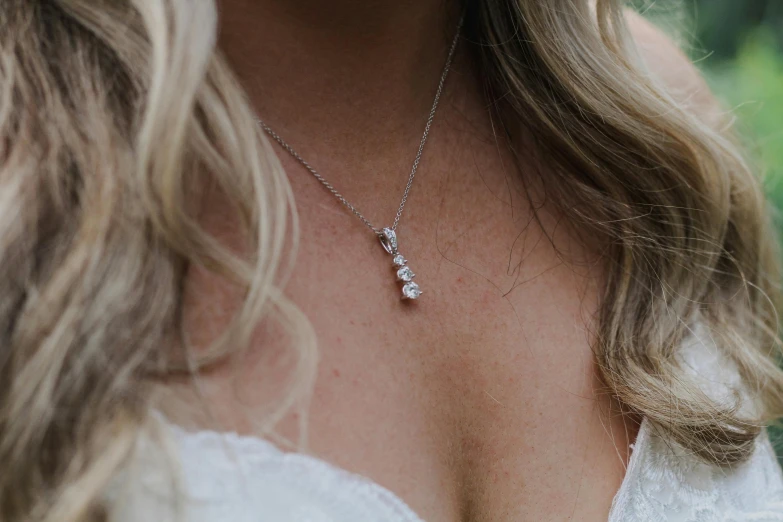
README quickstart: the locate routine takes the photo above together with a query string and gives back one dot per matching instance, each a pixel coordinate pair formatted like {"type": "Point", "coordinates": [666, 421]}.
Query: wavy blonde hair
{"type": "Point", "coordinates": [114, 114]}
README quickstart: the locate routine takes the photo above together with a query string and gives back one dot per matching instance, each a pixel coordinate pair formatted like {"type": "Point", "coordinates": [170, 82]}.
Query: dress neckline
{"type": "Point", "coordinates": [232, 439]}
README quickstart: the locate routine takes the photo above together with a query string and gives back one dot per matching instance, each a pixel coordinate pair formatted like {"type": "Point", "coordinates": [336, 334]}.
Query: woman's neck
{"type": "Point", "coordinates": [339, 71]}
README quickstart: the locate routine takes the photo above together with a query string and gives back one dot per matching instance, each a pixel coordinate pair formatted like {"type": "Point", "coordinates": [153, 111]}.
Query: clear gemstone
{"type": "Point", "coordinates": [399, 260]}
{"type": "Point", "coordinates": [411, 291]}
{"type": "Point", "coordinates": [405, 274]}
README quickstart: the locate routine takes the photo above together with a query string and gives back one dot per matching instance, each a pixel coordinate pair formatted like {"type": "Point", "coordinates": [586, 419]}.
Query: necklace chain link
{"type": "Point", "coordinates": [416, 160]}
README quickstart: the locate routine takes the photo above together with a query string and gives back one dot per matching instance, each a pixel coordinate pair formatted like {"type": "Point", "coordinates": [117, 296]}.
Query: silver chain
{"type": "Point", "coordinates": [416, 161]}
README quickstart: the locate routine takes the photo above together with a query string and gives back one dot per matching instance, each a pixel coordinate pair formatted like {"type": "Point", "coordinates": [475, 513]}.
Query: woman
{"type": "Point", "coordinates": [593, 330]}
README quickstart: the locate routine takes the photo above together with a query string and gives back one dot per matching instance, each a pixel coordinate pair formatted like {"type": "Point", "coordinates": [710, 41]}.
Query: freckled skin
{"type": "Point", "coordinates": [481, 401]}
{"type": "Point", "coordinates": [484, 390]}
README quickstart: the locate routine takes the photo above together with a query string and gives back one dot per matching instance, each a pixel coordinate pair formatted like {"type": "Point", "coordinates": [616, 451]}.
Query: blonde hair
{"type": "Point", "coordinates": [115, 114]}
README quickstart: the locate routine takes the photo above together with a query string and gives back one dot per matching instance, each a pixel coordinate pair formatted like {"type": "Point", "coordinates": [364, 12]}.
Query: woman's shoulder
{"type": "Point", "coordinates": [671, 69]}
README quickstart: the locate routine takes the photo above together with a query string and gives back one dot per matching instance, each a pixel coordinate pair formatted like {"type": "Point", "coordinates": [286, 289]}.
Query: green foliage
{"type": "Point", "coordinates": [751, 85]}
{"type": "Point", "coordinates": [721, 26]}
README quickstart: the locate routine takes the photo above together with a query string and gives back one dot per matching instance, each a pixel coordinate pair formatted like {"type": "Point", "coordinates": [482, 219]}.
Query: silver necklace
{"type": "Point", "coordinates": [386, 235]}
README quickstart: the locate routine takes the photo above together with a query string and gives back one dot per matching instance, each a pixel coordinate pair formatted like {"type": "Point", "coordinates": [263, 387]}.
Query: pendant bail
{"type": "Point", "coordinates": [388, 240]}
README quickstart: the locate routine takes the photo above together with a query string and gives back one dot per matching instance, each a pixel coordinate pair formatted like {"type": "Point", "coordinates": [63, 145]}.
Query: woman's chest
{"type": "Point", "coordinates": [476, 402]}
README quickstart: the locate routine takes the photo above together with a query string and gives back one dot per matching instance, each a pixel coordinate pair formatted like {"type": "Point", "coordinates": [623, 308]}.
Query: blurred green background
{"type": "Point", "coordinates": [738, 45]}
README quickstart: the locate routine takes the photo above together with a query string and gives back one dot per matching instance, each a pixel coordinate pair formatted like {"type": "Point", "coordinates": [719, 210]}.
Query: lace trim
{"type": "Point", "coordinates": [299, 468]}
{"type": "Point", "coordinates": [663, 482]}
{"type": "Point", "coordinates": [224, 476]}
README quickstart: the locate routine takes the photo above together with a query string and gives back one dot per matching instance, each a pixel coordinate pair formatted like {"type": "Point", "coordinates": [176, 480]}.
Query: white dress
{"type": "Point", "coordinates": [224, 477]}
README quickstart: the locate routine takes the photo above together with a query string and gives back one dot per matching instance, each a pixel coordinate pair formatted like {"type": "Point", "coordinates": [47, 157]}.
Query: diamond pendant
{"type": "Point", "coordinates": [410, 290]}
